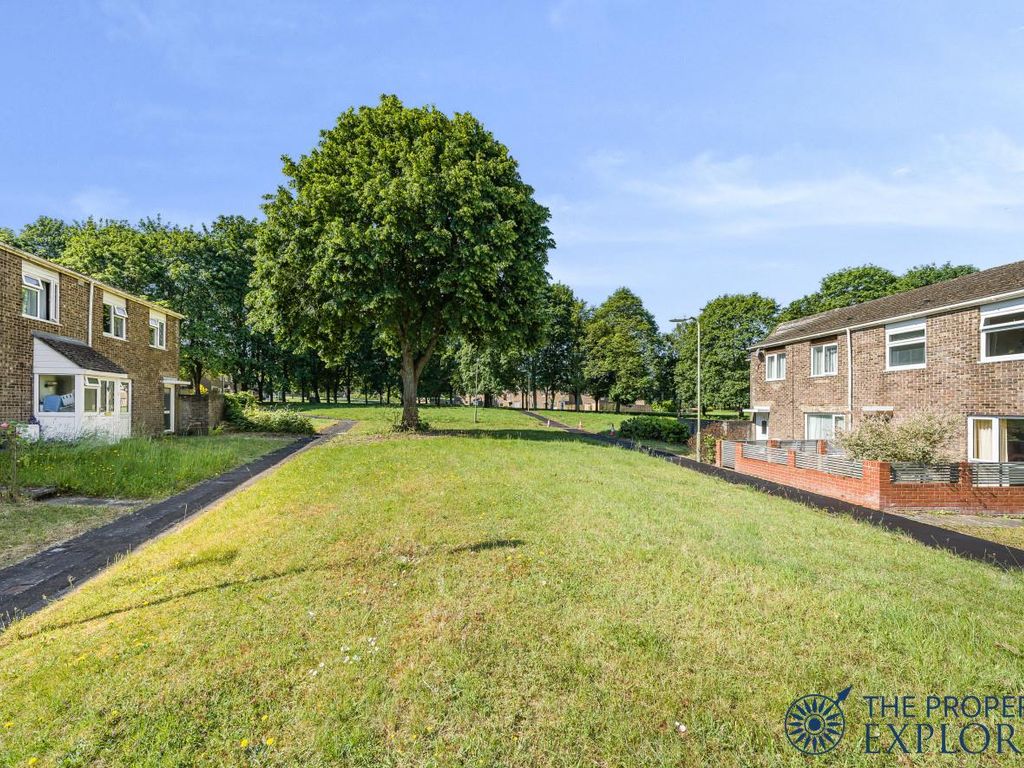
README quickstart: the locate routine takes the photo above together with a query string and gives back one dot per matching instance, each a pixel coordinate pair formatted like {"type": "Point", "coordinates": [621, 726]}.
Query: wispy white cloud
{"type": "Point", "coordinates": [964, 183]}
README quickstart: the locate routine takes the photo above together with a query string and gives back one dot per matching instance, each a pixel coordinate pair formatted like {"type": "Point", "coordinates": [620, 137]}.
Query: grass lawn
{"type": "Point", "coordinates": [27, 528]}
{"type": "Point", "coordinates": [479, 599]}
{"type": "Point", "coordinates": [139, 467]}
{"type": "Point", "coordinates": [380, 419]}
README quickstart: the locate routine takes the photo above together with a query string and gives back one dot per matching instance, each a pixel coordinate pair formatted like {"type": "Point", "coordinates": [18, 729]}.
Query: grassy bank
{"type": "Point", "coordinates": [139, 467]}
{"type": "Point", "coordinates": [28, 527]}
{"type": "Point", "coordinates": [487, 600]}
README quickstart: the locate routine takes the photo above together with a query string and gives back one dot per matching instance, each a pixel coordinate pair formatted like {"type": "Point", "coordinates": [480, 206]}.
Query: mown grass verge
{"type": "Point", "coordinates": [496, 598]}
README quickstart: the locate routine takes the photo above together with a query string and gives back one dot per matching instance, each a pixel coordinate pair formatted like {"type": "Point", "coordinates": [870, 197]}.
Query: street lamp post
{"type": "Point", "coordinates": [697, 321]}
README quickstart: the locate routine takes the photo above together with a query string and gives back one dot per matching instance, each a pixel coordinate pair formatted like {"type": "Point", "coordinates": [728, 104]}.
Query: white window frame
{"type": "Point", "coordinates": [40, 275]}
{"type": "Point", "coordinates": [823, 347]}
{"type": "Point", "coordinates": [118, 311]}
{"type": "Point", "coordinates": [158, 322]}
{"type": "Point", "coordinates": [835, 417]}
{"type": "Point", "coordinates": [997, 437]}
{"type": "Point", "coordinates": [897, 328]}
{"type": "Point", "coordinates": [775, 358]}
{"type": "Point", "coordinates": [994, 311]}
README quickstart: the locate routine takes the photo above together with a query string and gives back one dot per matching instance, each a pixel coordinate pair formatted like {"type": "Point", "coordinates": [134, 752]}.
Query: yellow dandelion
{"type": "Point", "coordinates": [265, 718]}
{"type": "Point", "coordinates": [269, 741]}
{"type": "Point", "coordinates": [243, 743]}
{"type": "Point", "coordinates": [9, 724]}
{"type": "Point", "coordinates": [33, 760]}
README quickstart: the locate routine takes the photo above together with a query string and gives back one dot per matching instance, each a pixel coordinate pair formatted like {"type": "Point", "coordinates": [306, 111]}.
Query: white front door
{"type": "Point", "coordinates": [761, 425]}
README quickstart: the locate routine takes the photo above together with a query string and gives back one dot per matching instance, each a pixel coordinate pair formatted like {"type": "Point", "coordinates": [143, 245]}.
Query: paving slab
{"type": "Point", "coordinates": [33, 583]}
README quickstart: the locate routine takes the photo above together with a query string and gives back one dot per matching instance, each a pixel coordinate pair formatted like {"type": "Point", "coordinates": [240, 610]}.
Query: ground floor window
{"type": "Point", "coordinates": [823, 426]}
{"type": "Point", "coordinates": [99, 395]}
{"type": "Point", "coordinates": [996, 438]}
{"type": "Point", "coordinates": [56, 394]}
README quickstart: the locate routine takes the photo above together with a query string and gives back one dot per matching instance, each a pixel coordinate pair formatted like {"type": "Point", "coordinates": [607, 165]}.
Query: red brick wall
{"type": "Point", "coordinates": [876, 490]}
{"type": "Point", "coordinates": [145, 365]}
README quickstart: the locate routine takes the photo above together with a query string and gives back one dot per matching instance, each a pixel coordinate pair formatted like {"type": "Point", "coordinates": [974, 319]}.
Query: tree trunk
{"type": "Point", "coordinates": [410, 410]}
{"type": "Point", "coordinates": [618, 407]}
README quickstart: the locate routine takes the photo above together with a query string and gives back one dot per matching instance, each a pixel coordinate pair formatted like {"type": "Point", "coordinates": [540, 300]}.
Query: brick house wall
{"type": "Point", "coordinates": [954, 380]}
{"type": "Point", "coordinates": [145, 365]}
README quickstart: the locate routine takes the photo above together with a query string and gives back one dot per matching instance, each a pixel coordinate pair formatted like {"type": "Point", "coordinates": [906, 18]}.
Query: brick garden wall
{"type": "Point", "coordinates": [876, 490]}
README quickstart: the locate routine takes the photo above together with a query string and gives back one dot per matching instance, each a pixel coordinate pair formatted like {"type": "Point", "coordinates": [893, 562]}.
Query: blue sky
{"type": "Point", "coordinates": [686, 149]}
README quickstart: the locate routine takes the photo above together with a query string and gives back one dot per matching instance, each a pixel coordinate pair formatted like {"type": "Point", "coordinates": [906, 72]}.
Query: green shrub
{"type": "Point", "coordinates": [654, 428]}
{"type": "Point", "coordinates": [922, 438]}
{"type": "Point", "coordinates": [243, 413]}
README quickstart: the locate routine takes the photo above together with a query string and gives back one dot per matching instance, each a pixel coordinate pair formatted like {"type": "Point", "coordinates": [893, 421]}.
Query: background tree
{"type": "Point", "coordinates": [410, 222]}
{"type": "Point", "coordinates": [46, 236]}
{"type": "Point", "coordinates": [730, 325]}
{"type": "Point", "coordinates": [561, 358]}
{"type": "Point", "coordinates": [928, 274]}
{"type": "Point", "coordinates": [622, 344]}
{"type": "Point", "coordinates": [852, 285]}
{"type": "Point", "coordinates": [858, 284]}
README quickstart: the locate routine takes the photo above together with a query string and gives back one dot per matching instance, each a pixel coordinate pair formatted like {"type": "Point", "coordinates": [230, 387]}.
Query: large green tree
{"type": "Point", "coordinates": [858, 284]}
{"type": "Point", "coordinates": [729, 326]}
{"type": "Point", "coordinates": [562, 355]}
{"type": "Point", "coordinates": [622, 350]}
{"type": "Point", "coordinates": [409, 221]}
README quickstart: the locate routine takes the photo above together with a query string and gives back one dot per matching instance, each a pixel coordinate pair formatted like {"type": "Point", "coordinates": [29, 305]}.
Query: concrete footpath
{"type": "Point", "coordinates": [27, 586]}
{"type": "Point", "coordinates": [961, 544]}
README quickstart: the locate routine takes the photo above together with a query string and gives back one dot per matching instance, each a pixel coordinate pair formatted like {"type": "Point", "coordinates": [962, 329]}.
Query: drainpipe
{"type": "Point", "coordinates": [849, 376]}
{"type": "Point", "coordinates": [92, 292]}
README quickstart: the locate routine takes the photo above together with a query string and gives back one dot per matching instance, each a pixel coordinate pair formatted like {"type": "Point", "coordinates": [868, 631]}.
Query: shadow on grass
{"type": "Point", "coordinates": [226, 584]}
{"type": "Point", "coordinates": [484, 546]}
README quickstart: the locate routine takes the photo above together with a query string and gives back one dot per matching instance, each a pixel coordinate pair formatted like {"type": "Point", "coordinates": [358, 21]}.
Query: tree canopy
{"type": "Point", "coordinates": [623, 350]}
{"type": "Point", "coordinates": [407, 221]}
{"type": "Point", "coordinates": [855, 285]}
{"type": "Point", "coordinates": [730, 325]}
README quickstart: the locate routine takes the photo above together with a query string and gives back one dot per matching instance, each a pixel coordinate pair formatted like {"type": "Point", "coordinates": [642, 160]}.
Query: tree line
{"type": "Point", "coordinates": [405, 255]}
{"type": "Point", "coordinates": [613, 351]}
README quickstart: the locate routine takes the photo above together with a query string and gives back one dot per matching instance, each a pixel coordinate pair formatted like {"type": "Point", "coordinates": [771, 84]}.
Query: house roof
{"type": "Point", "coordinates": [79, 353]}
{"type": "Point", "coordinates": [52, 265]}
{"type": "Point", "coordinates": [989, 285]}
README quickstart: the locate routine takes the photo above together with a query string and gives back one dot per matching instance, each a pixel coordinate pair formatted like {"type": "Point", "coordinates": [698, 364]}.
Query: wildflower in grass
{"type": "Point", "coordinates": [33, 760]}
{"type": "Point", "coordinates": [9, 724]}
{"type": "Point", "coordinates": [244, 743]}
{"type": "Point", "coordinates": [264, 718]}
{"type": "Point", "coordinates": [269, 741]}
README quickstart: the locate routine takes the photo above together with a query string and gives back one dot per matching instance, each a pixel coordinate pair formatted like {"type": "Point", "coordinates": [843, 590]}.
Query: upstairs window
{"type": "Point", "coordinates": [39, 293]}
{"type": "Point", "coordinates": [825, 360]}
{"type": "Point", "coordinates": [775, 367]}
{"type": "Point", "coordinates": [1002, 331]}
{"type": "Point", "coordinates": [115, 317]}
{"type": "Point", "coordinates": [157, 330]}
{"type": "Point", "coordinates": [905, 345]}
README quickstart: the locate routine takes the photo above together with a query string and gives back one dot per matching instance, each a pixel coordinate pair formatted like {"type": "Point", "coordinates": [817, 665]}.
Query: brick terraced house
{"type": "Point", "coordinates": [81, 357]}
{"type": "Point", "coordinates": [956, 346]}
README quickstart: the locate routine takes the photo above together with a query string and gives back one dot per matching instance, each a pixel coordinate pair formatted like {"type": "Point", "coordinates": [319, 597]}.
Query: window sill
{"type": "Point", "coordinates": [40, 319]}
{"type": "Point", "coordinates": [899, 368]}
{"type": "Point", "coordinates": [1001, 359]}
{"type": "Point", "coordinates": [773, 381]}
{"type": "Point", "coordinates": [823, 376]}
{"type": "Point", "coordinates": [154, 346]}
{"type": "Point", "coordinates": [112, 336]}
{"type": "Point", "coordinates": [50, 414]}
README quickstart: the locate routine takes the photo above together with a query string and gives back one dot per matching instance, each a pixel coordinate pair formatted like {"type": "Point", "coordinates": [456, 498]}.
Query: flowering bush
{"type": "Point", "coordinates": [922, 438]}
